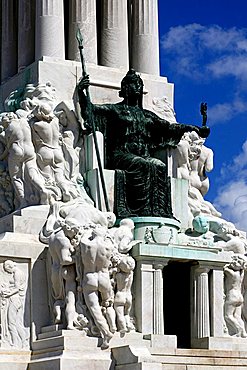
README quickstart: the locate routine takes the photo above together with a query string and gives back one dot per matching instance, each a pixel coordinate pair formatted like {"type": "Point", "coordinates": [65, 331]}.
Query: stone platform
{"type": "Point", "coordinates": [132, 358]}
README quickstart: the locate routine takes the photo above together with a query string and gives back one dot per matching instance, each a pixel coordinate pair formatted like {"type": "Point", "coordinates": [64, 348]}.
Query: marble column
{"type": "Point", "coordinates": [8, 39]}
{"type": "Point", "coordinates": [200, 323]}
{"type": "Point", "coordinates": [49, 40]}
{"type": "Point", "coordinates": [217, 302]}
{"type": "Point", "coordinates": [82, 15]}
{"type": "Point", "coordinates": [26, 32]}
{"type": "Point", "coordinates": [158, 300]}
{"type": "Point", "coordinates": [145, 36]}
{"type": "Point", "coordinates": [114, 34]}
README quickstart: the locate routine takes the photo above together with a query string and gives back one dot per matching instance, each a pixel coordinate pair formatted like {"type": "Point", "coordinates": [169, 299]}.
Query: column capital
{"type": "Point", "coordinates": [201, 269]}
{"type": "Point", "coordinates": [160, 265]}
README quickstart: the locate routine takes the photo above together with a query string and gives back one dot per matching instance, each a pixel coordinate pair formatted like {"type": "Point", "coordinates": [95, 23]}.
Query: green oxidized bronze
{"type": "Point", "coordinates": [132, 135]}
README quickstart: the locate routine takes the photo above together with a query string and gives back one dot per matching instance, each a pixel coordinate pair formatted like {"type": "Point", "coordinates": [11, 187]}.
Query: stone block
{"type": "Point", "coordinates": [27, 221]}
{"type": "Point", "coordinates": [162, 341]}
{"type": "Point", "coordinates": [94, 183]}
{"type": "Point", "coordinates": [220, 343]}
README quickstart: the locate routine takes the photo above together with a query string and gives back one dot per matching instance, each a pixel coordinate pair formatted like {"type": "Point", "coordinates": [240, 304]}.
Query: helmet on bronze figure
{"type": "Point", "coordinates": [132, 85]}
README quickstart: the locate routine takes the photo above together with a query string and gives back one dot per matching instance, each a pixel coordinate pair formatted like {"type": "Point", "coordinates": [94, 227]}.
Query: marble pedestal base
{"type": "Point", "coordinates": [220, 343]}
{"type": "Point", "coordinates": [58, 349]}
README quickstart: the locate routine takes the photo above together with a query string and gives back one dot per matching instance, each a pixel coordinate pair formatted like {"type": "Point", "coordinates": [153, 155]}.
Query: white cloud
{"type": "Point", "coordinates": [221, 51]}
{"type": "Point", "coordinates": [231, 65]}
{"type": "Point", "coordinates": [231, 200]}
{"type": "Point", "coordinates": [208, 53]}
{"type": "Point", "coordinates": [223, 112]}
{"type": "Point", "coordinates": [232, 203]}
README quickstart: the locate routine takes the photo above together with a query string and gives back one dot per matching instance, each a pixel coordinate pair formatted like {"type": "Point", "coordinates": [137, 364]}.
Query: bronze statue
{"type": "Point", "coordinates": [203, 110]}
{"type": "Point", "coordinates": [132, 135]}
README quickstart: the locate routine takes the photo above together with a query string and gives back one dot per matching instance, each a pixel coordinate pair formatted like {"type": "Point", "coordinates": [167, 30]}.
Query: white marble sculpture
{"type": "Point", "coordinates": [234, 275]}
{"type": "Point", "coordinates": [22, 166]}
{"type": "Point", "coordinates": [40, 150]}
{"type": "Point", "coordinates": [12, 300]}
{"type": "Point", "coordinates": [224, 233]}
{"type": "Point", "coordinates": [123, 277]}
{"type": "Point", "coordinates": [90, 269]}
{"type": "Point", "coordinates": [191, 161]}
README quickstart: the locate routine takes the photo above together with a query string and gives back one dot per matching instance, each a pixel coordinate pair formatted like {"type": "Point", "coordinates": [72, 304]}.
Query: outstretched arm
{"type": "Point", "coordinates": [171, 133]}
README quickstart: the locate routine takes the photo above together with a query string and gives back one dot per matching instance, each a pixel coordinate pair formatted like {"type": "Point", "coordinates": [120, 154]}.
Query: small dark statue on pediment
{"type": "Point", "coordinates": [132, 136]}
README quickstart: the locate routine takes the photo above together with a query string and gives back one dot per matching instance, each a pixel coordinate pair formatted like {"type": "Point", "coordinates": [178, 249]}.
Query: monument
{"type": "Point", "coordinates": [110, 256]}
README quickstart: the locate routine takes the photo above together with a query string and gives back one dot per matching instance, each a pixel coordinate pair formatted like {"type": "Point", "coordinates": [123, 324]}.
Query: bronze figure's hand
{"type": "Point", "coordinates": [83, 83]}
{"type": "Point", "coordinates": [204, 131]}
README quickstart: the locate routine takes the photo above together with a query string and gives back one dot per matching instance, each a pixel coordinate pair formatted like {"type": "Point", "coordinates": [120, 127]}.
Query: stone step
{"type": "Point", "coordinates": [70, 363]}
{"type": "Point", "coordinates": [28, 220]}
{"type": "Point", "coordinates": [128, 358]}
{"type": "Point", "coordinates": [66, 342]}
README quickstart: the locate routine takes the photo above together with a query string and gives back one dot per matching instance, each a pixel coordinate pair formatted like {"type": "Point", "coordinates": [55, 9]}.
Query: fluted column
{"type": "Point", "coordinates": [83, 16]}
{"type": "Point", "coordinates": [26, 32]}
{"type": "Point", "coordinates": [145, 36]}
{"type": "Point", "coordinates": [114, 34]}
{"type": "Point", "coordinates": [8, 39]}
{"type": "Point", "coordinates": [49, 40]}
{"type": "Point", "coordinates": [158, 300]}
{"type": "Point", "coordinates": [200, 308]}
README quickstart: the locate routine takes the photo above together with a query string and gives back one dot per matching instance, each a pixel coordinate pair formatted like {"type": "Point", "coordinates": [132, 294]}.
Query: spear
{"type": "Point", "coordinates": [91, 120]}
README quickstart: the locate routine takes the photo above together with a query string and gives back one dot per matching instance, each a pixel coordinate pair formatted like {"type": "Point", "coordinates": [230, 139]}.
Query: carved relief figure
{"type": "Point", "coordinates": [12, 294]}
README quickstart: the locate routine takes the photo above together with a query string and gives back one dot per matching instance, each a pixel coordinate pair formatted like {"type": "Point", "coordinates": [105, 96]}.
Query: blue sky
{"type": "Point", "coordinates": [203, 51]}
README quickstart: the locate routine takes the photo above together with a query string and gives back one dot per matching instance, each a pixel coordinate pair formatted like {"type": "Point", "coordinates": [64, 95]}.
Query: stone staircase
{"type": "Point", "coordinates": [132, 358]}
{"type": "Point", "coordinates": [57, 349]}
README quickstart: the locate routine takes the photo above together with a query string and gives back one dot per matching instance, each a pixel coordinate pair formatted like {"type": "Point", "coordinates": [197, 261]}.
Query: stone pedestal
{"type": "Point", "coordinates": [223, 343]}
{"type": "Point", "coordinates": [64, 75]}
{"type": "Point", "coordinates": [157, 230]}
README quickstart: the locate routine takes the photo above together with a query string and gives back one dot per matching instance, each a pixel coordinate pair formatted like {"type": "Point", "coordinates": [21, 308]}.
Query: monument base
{"type": "Point", "coordinates": [57, 349]}
{"type": "Point", "coordinates": [220, 343]}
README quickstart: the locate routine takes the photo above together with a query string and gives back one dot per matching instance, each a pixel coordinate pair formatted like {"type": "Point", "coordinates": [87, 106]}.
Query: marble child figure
{"type": "Point", "coordinates": [132, 135]}
{"type": "Point", "coordinates": [123, 298]}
